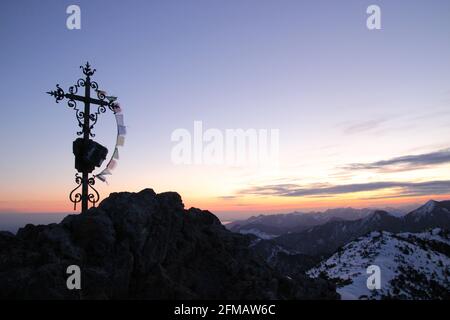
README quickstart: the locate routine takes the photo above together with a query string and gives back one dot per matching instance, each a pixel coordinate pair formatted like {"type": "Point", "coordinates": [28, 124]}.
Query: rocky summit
{"type": "Point", "coordinates": [143, 246]}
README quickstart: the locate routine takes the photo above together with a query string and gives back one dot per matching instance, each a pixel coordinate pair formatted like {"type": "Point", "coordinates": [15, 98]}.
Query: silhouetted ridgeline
{"type": "Point", "coordinates": [143, 245]}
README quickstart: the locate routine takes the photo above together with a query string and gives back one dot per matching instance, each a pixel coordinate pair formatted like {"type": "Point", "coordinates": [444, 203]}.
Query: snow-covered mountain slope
{"type": "Point", "coordinates": [412, 265]}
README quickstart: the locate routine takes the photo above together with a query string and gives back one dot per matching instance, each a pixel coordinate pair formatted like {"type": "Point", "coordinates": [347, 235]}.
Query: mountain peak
{"type": "Point", "coordinates": [377, 215]}
{"type": "Point", "coordinates": [431, 204]}
{"type": "Point", "coordinates": [427, 208]}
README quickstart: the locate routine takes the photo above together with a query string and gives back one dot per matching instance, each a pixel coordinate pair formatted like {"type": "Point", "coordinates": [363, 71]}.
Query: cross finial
{"type": "Point", "coordinates": [87, 69]}
{"type": "Point", "coordinates": [58, 93]}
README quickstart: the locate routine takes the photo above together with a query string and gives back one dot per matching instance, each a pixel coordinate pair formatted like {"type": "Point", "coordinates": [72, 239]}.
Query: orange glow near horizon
{"type": "Point", "coordinates": [283, 205]}
{"type": "Point", "coordinates": [253, 204]}
{"type": "Point", "coordinates": [226, 192]}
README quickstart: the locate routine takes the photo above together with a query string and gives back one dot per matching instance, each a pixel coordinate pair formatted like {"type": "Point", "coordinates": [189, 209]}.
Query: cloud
{"type": "Point", "coordinates": [228, 197]}
{"type": "Point", "coordinates": [410, 188]}
{"type": "Point", "coordinates": [358, 127]}
{"type": "Point", "coordinates": [403, 163]}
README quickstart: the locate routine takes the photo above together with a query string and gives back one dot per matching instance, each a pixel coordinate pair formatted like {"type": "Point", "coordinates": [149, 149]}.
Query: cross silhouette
{"type": "Point", "coordinates": [86, 121]}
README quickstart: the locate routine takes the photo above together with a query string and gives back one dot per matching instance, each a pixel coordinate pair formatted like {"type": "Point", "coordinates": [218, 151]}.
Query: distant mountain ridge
{"type": "Point", "coordinates": [326, 238]}
{"type": "Point", "coordinates": [270, 226]}
{"type": "Point", "coordinates": [15, 220]}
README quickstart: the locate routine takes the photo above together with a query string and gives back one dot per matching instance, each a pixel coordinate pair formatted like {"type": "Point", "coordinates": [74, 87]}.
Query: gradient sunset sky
{"type": "Point", "coordinates": [363, 116]}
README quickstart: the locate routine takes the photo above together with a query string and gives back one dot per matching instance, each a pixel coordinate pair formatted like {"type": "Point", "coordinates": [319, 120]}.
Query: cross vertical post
{"type": "Point", "coordinates": [86, 131]}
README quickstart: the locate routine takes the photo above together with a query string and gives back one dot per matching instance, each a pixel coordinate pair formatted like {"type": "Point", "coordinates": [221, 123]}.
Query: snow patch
{"type": "Point", "coordinates": [258, 233]}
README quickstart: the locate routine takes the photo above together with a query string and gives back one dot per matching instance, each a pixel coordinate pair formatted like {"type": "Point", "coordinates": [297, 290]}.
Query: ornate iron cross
{"type": "Point", "coordinates": [86, 121]}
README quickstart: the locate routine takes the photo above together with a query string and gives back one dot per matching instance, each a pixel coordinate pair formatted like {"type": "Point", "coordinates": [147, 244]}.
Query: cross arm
{"type": "Point", "coordinates": [84, 99]}
{"type": "Point", "coordinates": [59, 94]}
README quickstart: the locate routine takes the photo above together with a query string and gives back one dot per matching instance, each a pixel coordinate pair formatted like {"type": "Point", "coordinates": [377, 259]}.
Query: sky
{"type": "Point", "coordinates": [363, 115]}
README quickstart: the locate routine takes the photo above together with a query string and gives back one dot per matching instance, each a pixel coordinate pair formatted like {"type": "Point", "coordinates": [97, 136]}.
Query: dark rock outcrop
{"type": "Point", "coordinates": [143, 246]}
